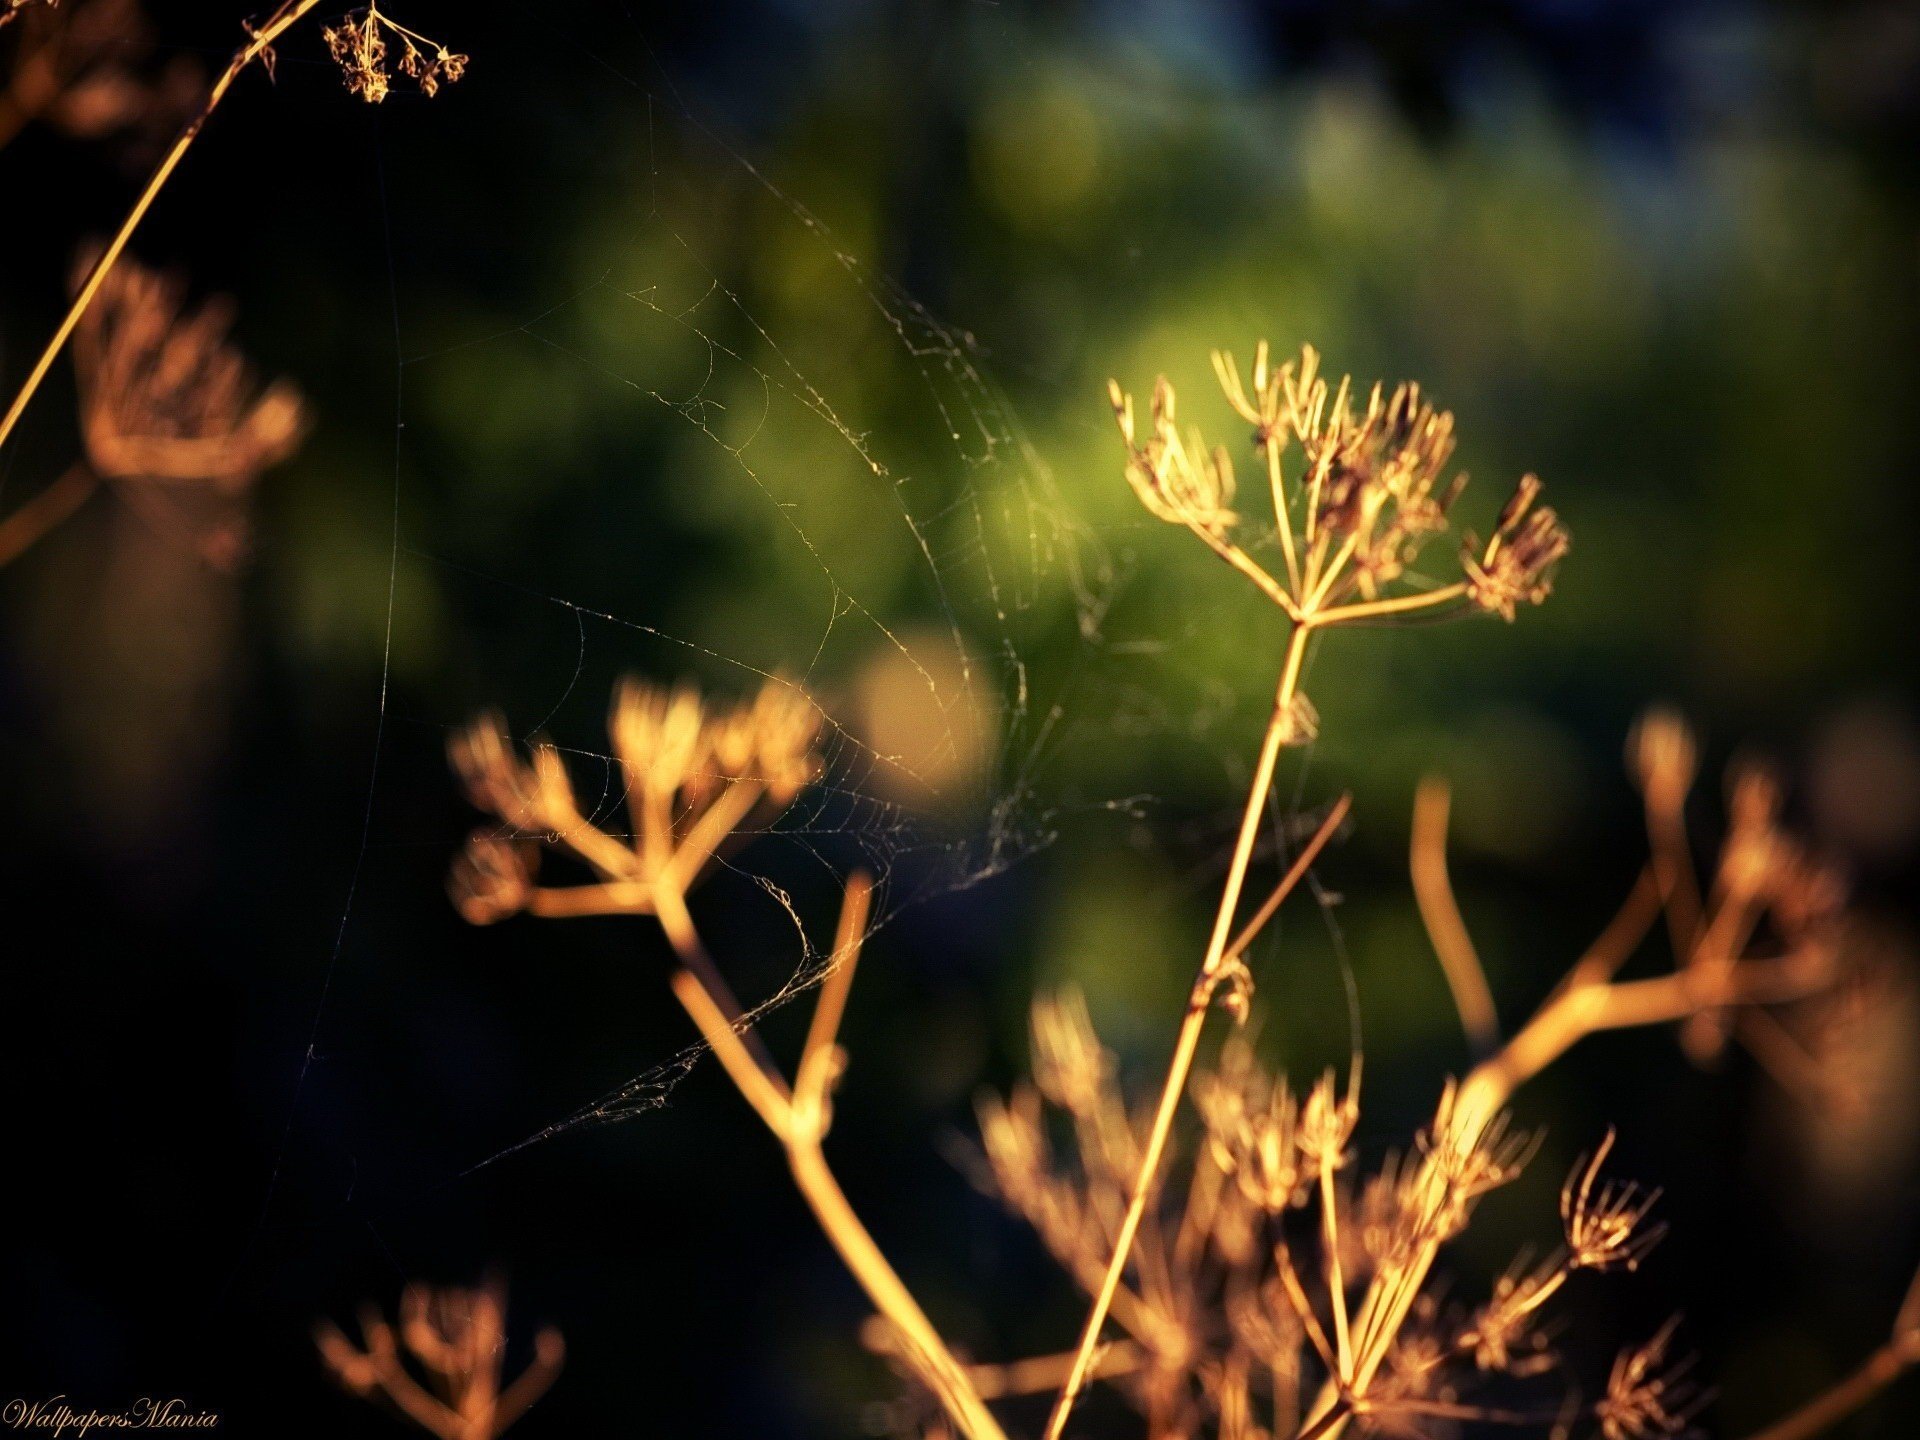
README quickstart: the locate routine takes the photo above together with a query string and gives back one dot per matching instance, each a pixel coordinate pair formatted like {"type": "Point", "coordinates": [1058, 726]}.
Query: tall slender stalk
{"type": "Point", "coordinates": [1199, 1002]}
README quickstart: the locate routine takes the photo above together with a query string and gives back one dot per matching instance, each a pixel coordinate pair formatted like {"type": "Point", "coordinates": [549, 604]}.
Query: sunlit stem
{"type": "Point", "coordinates": [259, 41]}
{"type": "Point", "coordinates": [43, 512]}
{"type": "Point", "coordinates": [1398, 605]}
{"type": "Point", "coordinates": [1440, 912]}
{"type": "Point", "coordinates": [1251, 568]}
{"type": "Point", "coordinates": [1282, 513]}
{"type": "Point", "coordinates": [1200, 1000]}
{"type": "Point", "coordinates": [1336, 1281]}
{"type": "Point", "coordinates": [1827, 1409]}
{"type": "Point", "coordinates": [1320, 588]}
{"type": "Point", "coordinates": [799, 1124]}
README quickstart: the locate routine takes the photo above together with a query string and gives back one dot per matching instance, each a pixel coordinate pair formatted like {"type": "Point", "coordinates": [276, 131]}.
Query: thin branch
{"type": "Point", "coordinates": [44, 511]}
{"type": "Point", "coordinates": [1440, 912]}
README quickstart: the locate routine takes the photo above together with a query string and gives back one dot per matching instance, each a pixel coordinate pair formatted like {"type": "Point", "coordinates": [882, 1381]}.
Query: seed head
{"type": "Point", "coordinates": [1516, 567]}
{"type": "Point", "coordinates": [492, 879]}
{"type": "Point", "coordinates": [1606, 1227]}
{"type": "Point", "coordinates": [1648, 1399]}
{"type": "Point", "coordinates": [1327, 1121]}
{"type": "Point", "coordinates": [170, 411]}
{"type": "Point", "coordinates": [358, 44]}
{"type": "Point", "coordinates": [1661, 755]}
{"type": "Point", "coordinates": [1503, 1331]}
{"type": "Point", "coordinates": [1179, 480]}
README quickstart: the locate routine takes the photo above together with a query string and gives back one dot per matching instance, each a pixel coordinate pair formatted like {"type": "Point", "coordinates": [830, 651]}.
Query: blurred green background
{"type": "Point", "coordinates": [773, 337]}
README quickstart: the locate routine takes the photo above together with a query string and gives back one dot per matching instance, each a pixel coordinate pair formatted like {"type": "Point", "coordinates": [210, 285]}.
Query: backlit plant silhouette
{"type": "Point", "coordinates": [1267, 1286]}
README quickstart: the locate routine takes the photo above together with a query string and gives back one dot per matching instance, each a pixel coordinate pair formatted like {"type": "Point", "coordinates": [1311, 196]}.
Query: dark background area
{"type": "Point", "coordinates": [629, 353]}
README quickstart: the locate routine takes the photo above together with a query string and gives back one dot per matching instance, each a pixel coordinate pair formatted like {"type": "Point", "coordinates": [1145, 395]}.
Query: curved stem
{"type": "Point", "coordinates": [1881, 1369]}
{"type": "Point", "coordinates": [1440, 912]}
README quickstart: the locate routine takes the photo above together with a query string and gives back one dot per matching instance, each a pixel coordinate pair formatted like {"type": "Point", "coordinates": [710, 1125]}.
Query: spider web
{"type": "Point", "coordinates": [999, 558]}
{"type": "Point", "coordinates": [988, 533]}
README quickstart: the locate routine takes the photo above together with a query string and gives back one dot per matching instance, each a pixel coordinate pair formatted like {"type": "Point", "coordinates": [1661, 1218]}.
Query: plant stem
{"type": "Point", "coordinates": [1881, 1369]}
{"type": "Point", "coordinates": [800, 1129]}
{"type": "Point", "coordinates": [258, 42]}
{"type": "Point", "coordinates": [1399, 604]}
{"type": "Point", "coordinates": [1199, 1001]}
{"type": "Point", "coordinates": [44, 511]}
{"type": "Point", "coordinates": [1433, 892]}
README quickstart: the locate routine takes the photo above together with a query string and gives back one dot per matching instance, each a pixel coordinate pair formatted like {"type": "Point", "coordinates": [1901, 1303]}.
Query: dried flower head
{"type": "Point", "coordinates": [1516, 567]}
{"type": "Point", "coordinates": [1468, 1155]}
{"type": "Point", "coordinates": [1178, 479]}
{"type": "Point", "coordinates": [1502, 1335]}
{"type": "Point", "coordinates": [1606, 1227]}
{"type": "Point", "coordinates": [1070, 1066]}
{"type": "Point", "coordinates": [1327, 1120]}
{"type": "Point", "coordinates": [694, 780]}
{"type": "Point", "coordinates": [492, 878]}
{"type": "Point", "coordinates": [171, 412]}
{"type": "Point", "coordinates": [1373, 488]}
{"type": "Point", "coordinates": [1253, 1130]}
{"type": "Point", "coordinates": [443, 1364]}
{"type": "Point", "coordinates": [1374, 475]}
{"type": "Point", "coordinates": [359, 45]}
{"type": "Point", "coordinates": [1647, 1398]}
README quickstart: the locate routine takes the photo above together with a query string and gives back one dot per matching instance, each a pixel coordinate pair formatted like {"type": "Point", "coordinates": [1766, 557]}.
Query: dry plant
{"type": "Point", "coordinates": [443, 1364]}
{"type": "Point", "coordinates": [362, 64]}
{"type": "Point", "coordinates": [171, 415]}
{"type": "Point", "coordinates": [1271, 1289]}
{"type": "Point", "coordinates": [1277, 1291]}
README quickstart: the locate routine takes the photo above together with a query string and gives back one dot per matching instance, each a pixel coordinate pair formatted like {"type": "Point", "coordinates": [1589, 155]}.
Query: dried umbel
{"type": "Point", "coordinates": [1358, 491]}
{"type": "Point", "coordinates": [1606, 1220]}
{"type": "Point", "coordinates": [1371, 490]}
{"type": "Point", "coordinates": [359, 43]}
{"type": "Point", "coordinates": [693, 778]}
{"type": "Point", "coordinates": [443, 1363]}
{"type": "Point", "coordinates": [1648, 1397]}
{"type": "Point", "coordinates": [170, 411]}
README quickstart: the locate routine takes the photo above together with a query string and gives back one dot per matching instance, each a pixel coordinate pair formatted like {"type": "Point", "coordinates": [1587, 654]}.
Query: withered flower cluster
{"type": "Point", "coordinates": [1275, 1293]}
{"type": "Point", "coordinates": [171, 413]}
{"type": "Point", "coordinates": [1280, 1289]}
{"type": "Point", "coordinates": [359, 44]}
{"type": "Point", "coordinates": [691, 781]}
{"type": "Point", "coordinates": [1369, 489]}
{"type": "Point", "coordinates": [443, 1365]}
